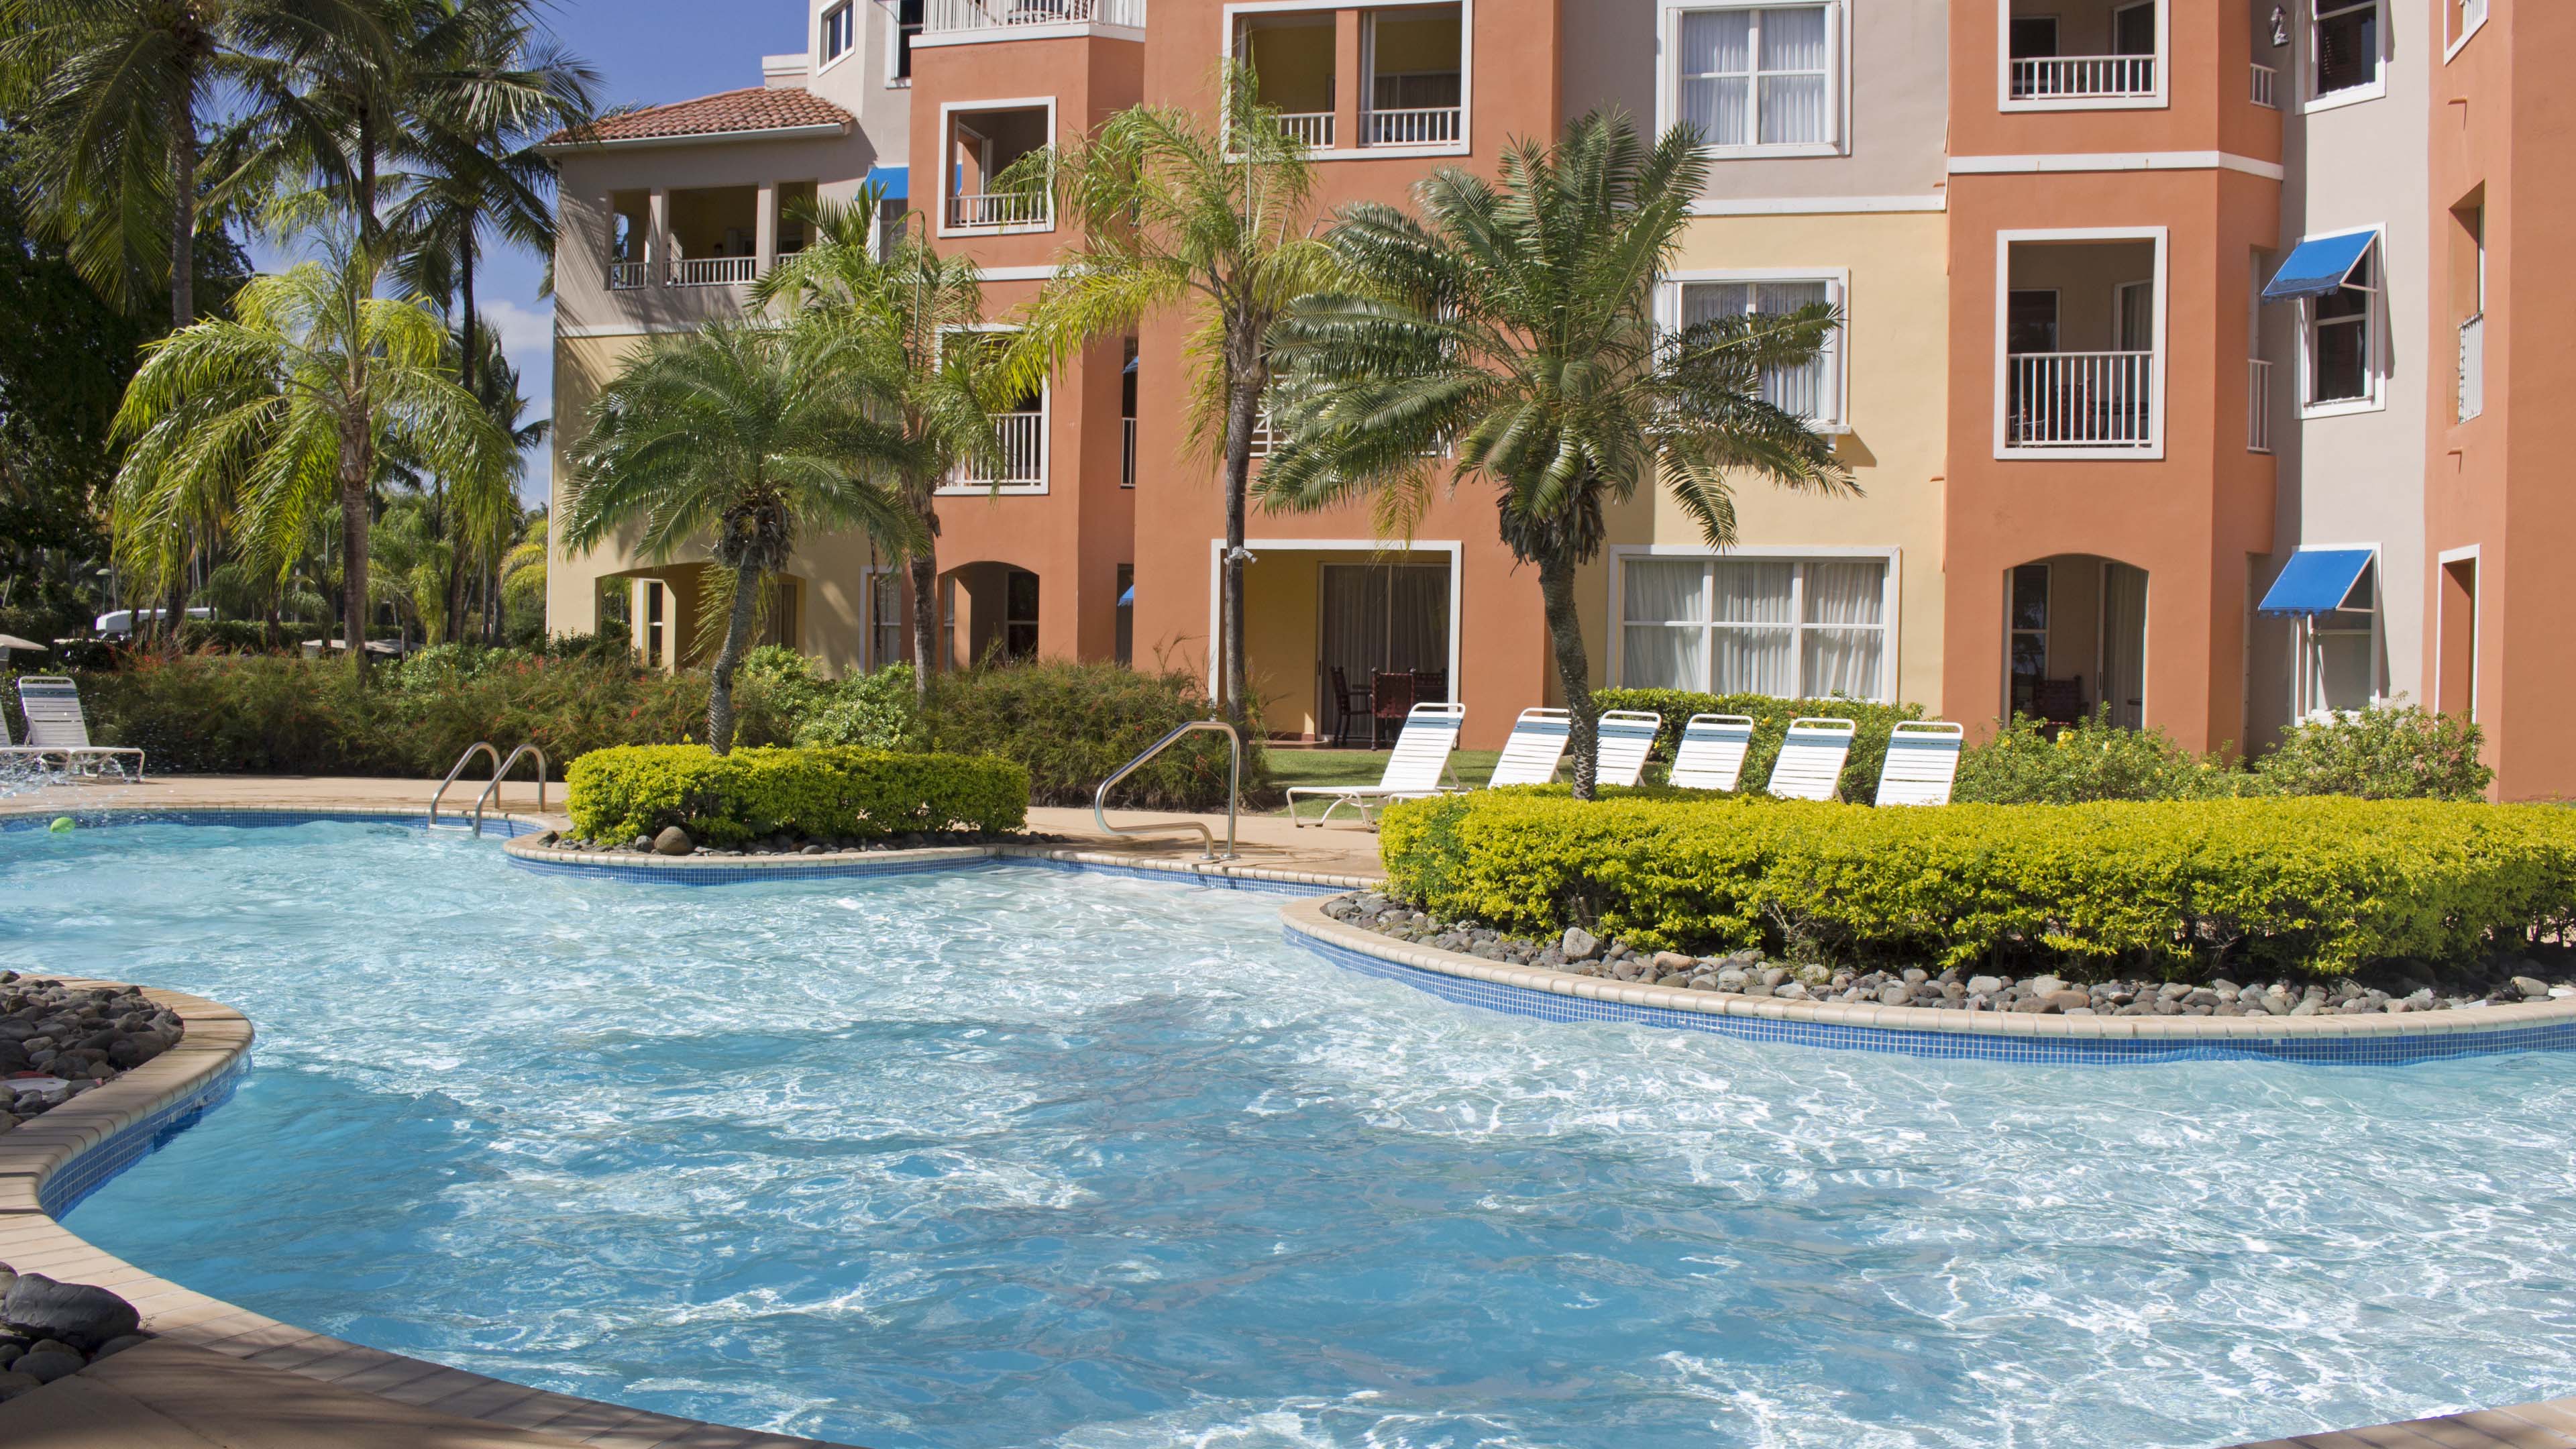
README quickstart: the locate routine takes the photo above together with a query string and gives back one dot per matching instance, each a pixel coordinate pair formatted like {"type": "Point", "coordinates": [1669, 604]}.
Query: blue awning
{"type": "Point", "coordinates": [1127, 599]}
{"type": "Point", "coordinates": [2318, 265]}
{"type": "Point", "coordinates": [895, 180]}
{"type": "Point", "coordinates": [2315, 581]}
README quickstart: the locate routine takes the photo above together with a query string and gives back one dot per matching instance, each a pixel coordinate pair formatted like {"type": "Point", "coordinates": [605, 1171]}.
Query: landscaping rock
{"type": "Point", "coordinates": [76, 1313]}
{"type": "Point", "coordinates": [119, 1345]}
{"type": "Point", "coordinates": [1578, 944]}
{"type": "Point", "coordinates": [2531, 989]}
{"type": "Point", "coordinates": [672, 841]}
{"type": "Point", "coordinates": [47, 1365]}
{"type": "Point", "coordinates": [13, 1383]}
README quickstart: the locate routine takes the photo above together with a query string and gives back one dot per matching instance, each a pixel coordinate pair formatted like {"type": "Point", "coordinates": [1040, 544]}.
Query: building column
{"type": "Point", "coordinates": [657, 238]}
{"type": "Point", "coordinates": [764, 228]}
{"type": "Point", "coordinates": [1350, 70]}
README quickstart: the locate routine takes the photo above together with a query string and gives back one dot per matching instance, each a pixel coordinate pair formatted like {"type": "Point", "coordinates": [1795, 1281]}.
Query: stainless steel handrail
{"type": "Point", "coordinates": [493, 790]}
{"type": "Point", "coordinates": [1233, 790]}
{"type": "Point", "coordinates": [461, 761]}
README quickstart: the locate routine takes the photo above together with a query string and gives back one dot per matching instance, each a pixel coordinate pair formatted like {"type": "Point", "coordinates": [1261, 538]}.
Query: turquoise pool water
{"type": "Point", "coordinates": [1018, 1157]}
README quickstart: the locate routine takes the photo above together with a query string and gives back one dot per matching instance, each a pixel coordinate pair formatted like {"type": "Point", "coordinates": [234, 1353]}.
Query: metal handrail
{"type": "Point", "coordinates": [461, 760]}
{"type": "Point", "coordinates": [492, 791]}
{"type": "Point", "coordinates": [1233, 790]}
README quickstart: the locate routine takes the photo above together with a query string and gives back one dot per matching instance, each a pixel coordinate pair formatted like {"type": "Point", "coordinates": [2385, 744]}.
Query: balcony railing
{"type": "Point", "coordinates": [1127, 459]}
{"type": "Point", "coordinates": [1315, 128]}
{"type": "Point", "coordinates": [1001, 208]}
{"type": "Point", "coordinates": [1022, 438]}
{"type": "Point", "coordinates": [2267, 86]}
{"type": "Point", "coordinates": [948, 17]}
{"type": "Point", "coordinates": [2083, 77]}
{"type": "Point", "coordinates": [712, 271]}
{"type": "Point", "coordinates": [2473, 367]}
{"type": "Point", "coordinates": [626, 276]}
{"type": "Point", "coordinates": [2079, 400]}
{"type": "Point", "coordinates": [1421, 126]}
{"type": "Point", "coordinates": [2258, 405]}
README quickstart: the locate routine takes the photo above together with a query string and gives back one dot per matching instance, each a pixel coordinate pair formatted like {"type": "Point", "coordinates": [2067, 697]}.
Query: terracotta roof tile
{"type": "Point", "coordinates": [753, 108]}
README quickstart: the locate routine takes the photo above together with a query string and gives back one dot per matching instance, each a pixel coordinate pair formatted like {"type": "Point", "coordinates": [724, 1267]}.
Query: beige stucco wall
{"type": "Point", "coordinates": [858, 81]}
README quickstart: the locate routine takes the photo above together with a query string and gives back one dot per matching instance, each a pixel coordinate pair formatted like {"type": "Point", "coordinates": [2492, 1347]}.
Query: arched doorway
{"type": "Point", "coordinates": [2075, 640]}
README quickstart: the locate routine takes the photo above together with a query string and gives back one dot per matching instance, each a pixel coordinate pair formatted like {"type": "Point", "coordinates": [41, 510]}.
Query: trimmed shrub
{"type": "Point", "coordinates": [2164, 887]}
{"type": "Point", "coordinates": [879, 710]}
{"type": "Point", "coordinates": [2088, 761]}
{"type": "Point", "coordinates": [617, 794]}
{"type": "Point", "coordinates": [1770, 727]}
{"type": "Point", "coordinates": [2391, 753]}
{"type": "Point", "coordinates": [1073, 725]}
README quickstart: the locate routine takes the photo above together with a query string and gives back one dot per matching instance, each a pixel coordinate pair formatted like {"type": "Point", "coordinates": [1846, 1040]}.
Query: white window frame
{"type": "Point", "coordinates": [1348, 148]}
{"type": "Point", "coordinates": [1377, 550]}
{"type": "Point", "coordinates": [871, 576]}
{"type": "Point", "coordinates": [2306, 671]}
{"type": "Point", "coordinates": [894, 41]}
{"type": "Point", "coordinates": [1836, 417]}
{"type": "Point", "coordinates": [2004, 240]}
{"type": "Point", "coordinates": [824, 59]}
{"type": "Point", "coordinates": [947, 181]}
{"type": "Point", "coordinates": [1890, 616]}
{"type": "Point", "coordinates": [1046, 437]}
{"type": "Point", "coordinates": [2375, 331]}
{"type": "Point", "coordinates": [2375, 89]}
{"type": "Point", "coordinates": [2469, 15]}
{"type": "Point", "coordinates": [1668, 103]}
{"type": "Point", "coordinates": [2158, 100]}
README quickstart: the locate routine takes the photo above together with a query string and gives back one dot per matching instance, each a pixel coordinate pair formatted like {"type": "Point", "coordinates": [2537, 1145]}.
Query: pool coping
{"type": "Point", "coordinates": [2380, 1040]}
{"type": "Point", "coordinates": [728, 869]}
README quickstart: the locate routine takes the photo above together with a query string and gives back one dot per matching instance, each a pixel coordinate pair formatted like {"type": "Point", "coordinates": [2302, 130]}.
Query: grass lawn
{"type": "Point", "coordinates": [1362, 767]}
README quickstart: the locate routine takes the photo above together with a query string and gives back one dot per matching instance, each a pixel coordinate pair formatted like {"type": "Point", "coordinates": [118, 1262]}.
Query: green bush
{"type": "Point", "coordinates": [229, 636]}
{"type": "Point", "coordinates": [2092, 760]}
{"type": "Point", "coordinates": [620, 793]}
{"type": "Point", "coordinates": [879, 710]}
{"type": "Point", "coordinates": [1771, 726]}
{"type": "Point", "coordinates": [2164, 887]}
{"type": "Point", "coordinates": [2390, 753]}
{"type": "Point", "coordinates": [1073, 725]}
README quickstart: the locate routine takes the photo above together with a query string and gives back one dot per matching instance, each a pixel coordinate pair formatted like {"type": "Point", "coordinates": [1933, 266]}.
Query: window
{"type": "Point", "coordinates": [2029, 635]}
{"type": "Point", "coordinates": [2461, 18]}
{"type": "Point", "coordinates": [1124, 646]}
{"type": "Point", "coordinates": [907, 24]}
{"type": "Point", "coordinates": [1792, 628]}
{"type": "Point", "coordinates": [1020, 615]}
{"type": "Point", "coordinates": [653, 636]}
{"type": "Point", "coordinates": [2343, 338]}
{"type": "Point", "coordinates": [885, 618]}
{"type": "Point", "coordinates": [2342, 648]}
{"type": "Point", "coordinates": [1757, 77]}
{"type": "Point", "coordinates": [2347, 45]}
{"type": "Point", "coordinates": [2031, 37]}
{"type": "Point", "coordinates": [2133, 29]}
{"type": "Point", "coordinates": [840, 31]}
{"type": "Point", "coordinates": [1810, 391]}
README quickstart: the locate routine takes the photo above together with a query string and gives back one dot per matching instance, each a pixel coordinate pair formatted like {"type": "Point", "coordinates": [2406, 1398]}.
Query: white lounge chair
{"type": "Point", "coordinates": [55, 726]}
{"type": "Point", "coordinates": [1810, 766]}
{"type": "Point", "coordinates": [1710, 755]}
{"type": "Point", "coordinates": [1922, 762]}
{"type": "Point", "coordinates": [1536, 748]}
{"type": "Point", "coordinates": [1627, 737]}
{"type": "Point", "coordinates": [1421, 758]}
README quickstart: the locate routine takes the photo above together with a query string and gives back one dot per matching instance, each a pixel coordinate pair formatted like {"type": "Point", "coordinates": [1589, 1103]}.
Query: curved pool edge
{"type": "Point", "coordinates": [698, 870]}
{"type": "Point", "coordinates": [1923, 1032]}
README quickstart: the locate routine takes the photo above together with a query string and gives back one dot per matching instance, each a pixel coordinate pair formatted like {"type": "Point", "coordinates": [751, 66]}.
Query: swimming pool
{"type": "Point", "coordinates": [1018, 1156]}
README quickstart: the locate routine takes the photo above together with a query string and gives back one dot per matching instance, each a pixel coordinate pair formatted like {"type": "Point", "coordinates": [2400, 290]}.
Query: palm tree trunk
{"type": "Point", "coordinates": [746, 605]}
{"type": "Point", "coordinates": [183, 206]}
{"type": "Point", "coordinates": [357, 465]}
{"type": "Point", "coordinates": [1573, 670]}
{"type": "Point", "coordinates": [1242, 411]}
{"type": "Point", "coordinates": [925, 595]}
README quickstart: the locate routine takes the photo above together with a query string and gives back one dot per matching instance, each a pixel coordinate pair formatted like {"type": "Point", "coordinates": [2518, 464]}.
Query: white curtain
{"type": "Point", "coordinates": [1704, 300]}
{"type": "Point", "coordinates": [1793, 75]}
{"type": "Point", "coordinates": [1754, 660]}
{"type": "Point", "coordinates": [1715, 69]}
{"type": "Point", "coordinates": [1660, 656]}
{"type": "Point", "coordinates": [2124, 644]}
{"type": "Point", "coordinates": [1391, 617]}
{"type": "Point", "coordinates": [1801, 389]}
{"type": "Point", "coordinates": [1845, 659]}
{"type": "Point", "coordinates": [1666, 592]}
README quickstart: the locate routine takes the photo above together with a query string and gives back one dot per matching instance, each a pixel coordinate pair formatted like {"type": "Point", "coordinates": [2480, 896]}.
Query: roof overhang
{"type": "Point", "coordinates": [698, 138]}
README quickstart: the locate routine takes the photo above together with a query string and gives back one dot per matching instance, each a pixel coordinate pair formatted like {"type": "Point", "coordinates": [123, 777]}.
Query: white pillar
{"type": "Point", "coordinates": [657, 249]}
{"type": "Point", "coordinates": [764, 227]}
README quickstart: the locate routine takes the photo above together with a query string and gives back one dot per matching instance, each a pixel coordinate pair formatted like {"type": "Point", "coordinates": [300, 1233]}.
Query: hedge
{"type": "Point", "coordinates": [1770, 726]}
{"type": "Point", "coordinates": [1074, 725]}
{"type": "Point", "coordinates": [2163, 887]}
{"type": "Point", "coordinates": [618, 794]}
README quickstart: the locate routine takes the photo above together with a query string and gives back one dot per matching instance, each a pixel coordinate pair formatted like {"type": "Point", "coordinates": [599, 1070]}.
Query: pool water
{"type": "Point", "coordinates": [1017, 1156]}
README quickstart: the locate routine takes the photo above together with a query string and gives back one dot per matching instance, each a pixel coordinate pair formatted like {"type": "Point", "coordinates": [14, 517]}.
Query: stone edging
{"type": "Point", "coordinates": [1921, 1031]}
{"type": "Point", "coordinates": [728, 869]}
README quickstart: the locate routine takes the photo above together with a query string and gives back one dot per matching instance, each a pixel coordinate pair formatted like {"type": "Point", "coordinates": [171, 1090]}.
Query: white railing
{"type": "Point", "coordinates": [1127, 459]}
{"type": "Point", "coordinates": [2083, 77]}
{"type": "Point", "coordinates": [1002, 208]}
{"type": "Point", "coordinates": [712, 271]}
{"type": "Point", "coordinates": [2473, 367]}
{"type": "Point", "coordinates": [2258, 405]}
{"type": "Point", "coordinates": [951, 16]}
{"type": "Point", "coordinates": [1315, 128]}
{"type": "Point", "coordinates": [2079, 399]}
{"type": "Point", "coordinates": [626, 276]}
{"type": "Point", "coordinates": [1421, 126]}
{"type": "Point", "coordinates": [2267, 86]}
{"type": "Point", "coordinates": [1022, 437]}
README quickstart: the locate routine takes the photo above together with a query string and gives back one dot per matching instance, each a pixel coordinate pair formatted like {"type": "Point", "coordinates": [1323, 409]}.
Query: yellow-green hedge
{"type": "Point", "coordinates": [2322, 885]}
{"type": "Point", "coordinates": [618, 794]}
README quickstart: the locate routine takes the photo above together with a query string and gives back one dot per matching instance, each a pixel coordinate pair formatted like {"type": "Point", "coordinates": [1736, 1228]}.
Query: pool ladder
{"type": "Point", "coordinates": [1233, 790]}
{"type": "Point", "coordinates": [491, 791]}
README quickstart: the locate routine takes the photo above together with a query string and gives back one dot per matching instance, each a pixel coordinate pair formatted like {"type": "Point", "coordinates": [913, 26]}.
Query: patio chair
{"type": "Point", "coordinates": [1536, 748]}
{"type": "Point", "coordinates": [1710, 755]}
{"type": "Point", "coordinates": [1391, 701]}
{"type": "Point", "coordinates": [1627, 737]}
{"type": "Point", "coordinates": [55, 726]}
{"type": "Point", "coordinates": [1349, 707]}
{"type": "Point", "coordinates": [1922, 761]}
{"type": "Point", "coordinates": [1810, 766]}
{"type": "Point", "coordinates": [1421, 758]}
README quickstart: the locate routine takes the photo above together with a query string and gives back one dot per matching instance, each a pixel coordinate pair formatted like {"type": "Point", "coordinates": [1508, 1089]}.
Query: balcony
{"type": "Point", "coordinates": [2266, 87]}
{"type": "Point", "coordinates": [1416, 81]}
{"type": "Point", "coordinates": [2473, 367]}
{"type": "Point", "coordinates": [1001, 208]}
{"type": "Point", "coordinates": [2083, 77]}
{"type": "Point", "coordinates": [1127, 455]}
{"type": "Point", "coordinates": [1315, 128]}
{"type": "Point", "coordinates": [2079, 399]}
{"type": "Point", "coordinates": [1021, 437]}
{"type": "Point", "coordinates": [982, 148]}
{"type": "Point", "coordinates": [2083, 54]}
{"type": "Point", "coordinates": [2258, 406]}
{"type": "Point", "coordinates": [954, 17]}
{"type": "Point", "coordinates": [2081, 352]}
{"type": "Point", "coordinates": [626, 276]}
{"type": "Point", "coordinates": [1416, 126]}
{"type": "Point", "coordinates": [712, 271]}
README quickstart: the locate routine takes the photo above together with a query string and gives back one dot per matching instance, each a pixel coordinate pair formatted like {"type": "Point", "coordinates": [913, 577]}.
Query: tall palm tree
{"type": "Point", "coordinates": [907, 310]}
{"type": "Point", "coordinates": [1210, 219]}
{"type": "Point", "coordinates": [1515, 325]}
{"type": "Point", "coordinates": [740, 438]}
{"type": "Point", "coordinates": [285, 411]}
{"type": "Point", "coordinates": [496, 536]}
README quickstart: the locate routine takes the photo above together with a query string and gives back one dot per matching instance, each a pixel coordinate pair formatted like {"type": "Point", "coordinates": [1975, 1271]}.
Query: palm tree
{"type": "Point", "coordinates": [740, 435]}
{"type": "Point", "coordinates": [1514, 324]}
{"type": "Point", "coordinates": [1212, 219]}
{"type": "Point", "coordinates": [284, 412]}
{"type": "Point", "coordinates": [908, 309]}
